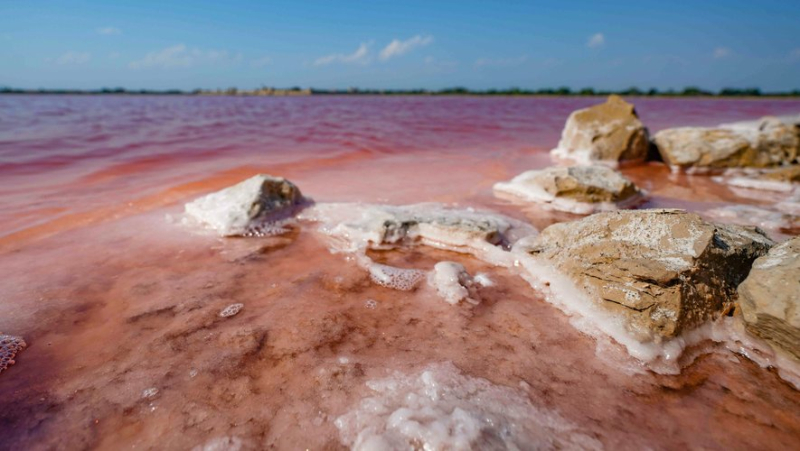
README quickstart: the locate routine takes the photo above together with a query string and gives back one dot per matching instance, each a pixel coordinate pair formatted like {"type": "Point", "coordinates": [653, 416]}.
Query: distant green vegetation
{"type": "Point", "coordinates": [689, 91]}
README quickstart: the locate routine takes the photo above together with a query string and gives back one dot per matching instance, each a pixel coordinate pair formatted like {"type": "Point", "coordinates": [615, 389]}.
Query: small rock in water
{"type": "Point", "coordinates": [577, 189]}
{"type": "Point", "coordinates": [610, 132]}
{"type": "Point", "coordinates": [247, 207]}
{"type": "Point", "coordinates": [231, 310]}
{"type": "Point", "coordinates": [9, 347]}
{"type": "Point", "coordinates": [770, 297]}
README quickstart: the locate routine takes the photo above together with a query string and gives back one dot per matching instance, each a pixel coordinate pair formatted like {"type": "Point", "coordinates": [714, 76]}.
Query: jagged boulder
{"type": "Point", "coordinates": [576, 189]}
{"type": "Point", "coordinates": [659, 271]}
{"type": "Point", "coordinates": [770, 297]}
{"type": "Point", "coordinates": [243, 207]}
{"type": "Point", "coordinates": [610, 132]}
{"type": "Point", "coordinates": [769, 143]}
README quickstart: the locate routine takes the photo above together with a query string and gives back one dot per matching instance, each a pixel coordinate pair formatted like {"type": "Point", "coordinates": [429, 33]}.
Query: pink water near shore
{"type": "Point", "coordinates": [114, 300]}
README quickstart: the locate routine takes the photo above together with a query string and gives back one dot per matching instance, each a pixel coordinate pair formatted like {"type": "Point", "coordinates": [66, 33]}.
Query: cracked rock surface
{"type": "Point", "coordinates": [660, 271]}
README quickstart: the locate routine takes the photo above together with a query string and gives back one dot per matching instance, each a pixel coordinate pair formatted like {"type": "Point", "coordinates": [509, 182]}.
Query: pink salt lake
{"type": "Point", "coordinates": [120, 306]}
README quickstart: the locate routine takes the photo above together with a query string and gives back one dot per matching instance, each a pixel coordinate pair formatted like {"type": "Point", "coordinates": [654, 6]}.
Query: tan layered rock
{"type": "Point", "coordinates": [659, 271]}
{"type": "Point", "coordinates": [609, 132]}
{"type": "Point", "coordinates": [244, 207]}
{"type": "Point", "coordinates": [770, 297]}
{"type": "Point", "coordinates": [576, 189]}
{"type": "Point", "coordinates": [769, 143]}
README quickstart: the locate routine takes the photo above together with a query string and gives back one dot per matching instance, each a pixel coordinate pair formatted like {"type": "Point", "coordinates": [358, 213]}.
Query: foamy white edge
{"type": "Point", "coordinates": [745, 182]}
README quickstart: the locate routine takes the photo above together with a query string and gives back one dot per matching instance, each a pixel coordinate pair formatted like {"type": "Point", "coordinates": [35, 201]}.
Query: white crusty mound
{"type": "Point", "coordinates": [576, 189]}
{"type": "Point", "coordinates": [454, 284]}
{"type": "Point", "coordinates": [247, 207]}
{"type": "Point", "coordinates": [442, 409]}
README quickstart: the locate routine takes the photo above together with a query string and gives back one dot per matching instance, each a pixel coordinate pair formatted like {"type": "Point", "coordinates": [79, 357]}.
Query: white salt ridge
{"type": "Point", "coordinates": [745, 182]}
{"type": "Point", "coordinates": [442, 409]}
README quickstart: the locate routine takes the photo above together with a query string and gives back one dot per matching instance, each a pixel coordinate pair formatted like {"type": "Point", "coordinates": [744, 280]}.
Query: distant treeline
{"type": "Point", "coordinates": [690, 91]}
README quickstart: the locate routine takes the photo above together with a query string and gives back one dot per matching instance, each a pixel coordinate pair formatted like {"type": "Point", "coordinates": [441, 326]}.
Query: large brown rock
{"type": "Point", "coordinates": [770, 297]}
{"type": "Point", "coordinates": [576, 189]}
{"type": "Point", "coordinates": [609, 132]}
{"type": "Point", "coordinates": [768, 143]}
{"type": "Point", "coordinates": [659, 271]}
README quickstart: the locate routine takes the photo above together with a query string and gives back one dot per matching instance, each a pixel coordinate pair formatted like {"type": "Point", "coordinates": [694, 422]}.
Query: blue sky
{"type": "Point", "coordinates": [393, 44]}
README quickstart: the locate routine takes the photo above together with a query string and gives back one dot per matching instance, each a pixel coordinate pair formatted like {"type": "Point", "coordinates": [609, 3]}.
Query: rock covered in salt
{"type": "Point", "coordinates": [247, 207]}
{"type": "Point", "coordinates": [231, 310]}
{"type": "Point", "coordinates": [453, 283]}
{"type": "Point", "coordinates": [653, 273]}
{"type": "Point", "coordinates": [576, 189]}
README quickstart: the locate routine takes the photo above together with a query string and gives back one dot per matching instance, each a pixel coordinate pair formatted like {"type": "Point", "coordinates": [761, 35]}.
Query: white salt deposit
{"type": "Point", "coordinates": [440, 408]}
{"type": "Point", "coordinates": [754, 216]}
{"type": "Point", "coordinates": [231, 310]}
{"type": "Point", "coordinates": [9, 347]}
{"type": "Point", "coordinates": [453, 283]}
{"type": "Point", "coordinates": [226, 443]}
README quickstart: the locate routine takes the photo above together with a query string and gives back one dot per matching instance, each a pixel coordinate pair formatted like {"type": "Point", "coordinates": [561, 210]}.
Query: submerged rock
{"type": "Point", "coordinates": [248, 206]}
{"type": "Point", "coordinates": [609, 132]}
{"type": "Point", "coordinates": [769, 143]}
{"type": "Point", "coordinates": [770, 297]}
{"type": "Point", "coordinates": [659, 272]}
{"type": "Point", "coordinates": [577, 189]}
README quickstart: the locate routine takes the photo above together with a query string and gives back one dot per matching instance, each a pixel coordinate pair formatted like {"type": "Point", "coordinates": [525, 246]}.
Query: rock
{"type": "Point", "coordinates": [609, 132]}
{"type": "Point", "coordinates": [770, 297]}
{"type": "Point", "coordinates": [577, 189]}
{"type": "Point", "coordinates": [247, 206]}
{"type": "Point", "coordinates": [658, 271]}
{"type": "Point", "coordinates": [770, 143]}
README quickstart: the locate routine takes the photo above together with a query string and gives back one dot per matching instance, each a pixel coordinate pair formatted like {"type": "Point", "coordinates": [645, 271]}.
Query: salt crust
{"type": "Point", "coordinates": [9, 347]}
{"type": "Point", "coordinates": [519, 188]}
{"type": "Point", "coordinates": [454, 284]}
{"type": "Point", "coordinates": [439, 408]}
{"type": "Point", "coordinates": [754, 216]}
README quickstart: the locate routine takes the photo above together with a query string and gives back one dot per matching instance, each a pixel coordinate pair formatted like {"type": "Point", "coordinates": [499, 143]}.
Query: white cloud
{"type": "Point", "coordinates": [74, 58]}
{"type": "Point", "coordinates": [501, 62]}
{"type": "Point", "coordinates": [359, 56]}
{"type": "Point", "coordinates": [398, 47]}
{"type": "Point", "coordinates": [181, 56]}
{"type": "Point", "coordinates": [109, 30]}
{"type": "Point", "coordinates": [722, 52]}
{"type": "Point", "coordinates": [261, 62]}
{"type": "Point", "coordinates": [596, 40]}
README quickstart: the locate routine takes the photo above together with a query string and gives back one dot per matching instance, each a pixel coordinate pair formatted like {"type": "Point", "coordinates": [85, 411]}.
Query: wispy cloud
{"type": "Point", "coordinates": [74, 58]}
{"type": "Point", "coordinates": [501, 62]}
{"type": "Point", "coordinates": [361, 56]}
{"type": "Point", "coordinates": [596, 40]}
{"type": "Point", "coordinates": [261, 62]}
{"type": "Point", "coordinates": [109, 31]}
{"type": "Point", "coordinates": [181, 56]}
{"type": "Point", "coordinates": [722, 52]}
{"type": "Point", "coordinates": [398, 47]}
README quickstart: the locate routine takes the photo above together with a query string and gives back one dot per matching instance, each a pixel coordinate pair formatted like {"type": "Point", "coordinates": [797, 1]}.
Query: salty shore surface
{"type": "Point", "coordinates": [120, 304]}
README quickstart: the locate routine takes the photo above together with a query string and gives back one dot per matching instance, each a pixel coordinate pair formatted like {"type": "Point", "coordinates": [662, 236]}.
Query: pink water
{"type": "Point", "coordinates": [113, 299]}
